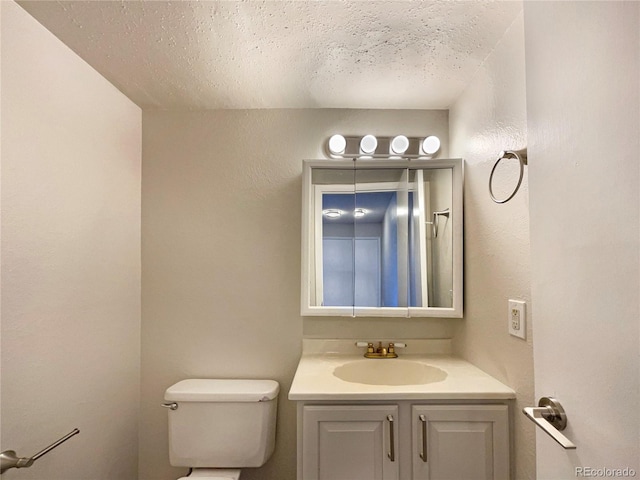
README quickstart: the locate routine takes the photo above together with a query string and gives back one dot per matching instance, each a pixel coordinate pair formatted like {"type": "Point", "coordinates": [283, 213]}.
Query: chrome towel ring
{"type": "Point", "coordinates": [521, 156]}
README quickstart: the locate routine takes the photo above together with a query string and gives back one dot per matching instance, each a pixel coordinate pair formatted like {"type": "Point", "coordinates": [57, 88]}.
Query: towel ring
{"type": "Point", "coordinates": [521, 156]}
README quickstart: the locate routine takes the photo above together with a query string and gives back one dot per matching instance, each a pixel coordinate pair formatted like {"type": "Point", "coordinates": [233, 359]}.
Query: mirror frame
{"type": "Point", "coordinates": [308, 239]}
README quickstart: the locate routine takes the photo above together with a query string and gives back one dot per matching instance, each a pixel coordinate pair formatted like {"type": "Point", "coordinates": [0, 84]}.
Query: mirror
{"type": "Point", "coordinates": [382, 238]}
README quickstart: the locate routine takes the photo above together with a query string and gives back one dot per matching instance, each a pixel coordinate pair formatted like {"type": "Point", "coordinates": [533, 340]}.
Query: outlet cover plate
{"type": "Point", "coordinates": [517, 318]}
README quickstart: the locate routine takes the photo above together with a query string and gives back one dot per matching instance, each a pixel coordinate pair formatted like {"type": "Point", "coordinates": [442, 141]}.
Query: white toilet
{"type": "Point", "coordinates": [217, 427]}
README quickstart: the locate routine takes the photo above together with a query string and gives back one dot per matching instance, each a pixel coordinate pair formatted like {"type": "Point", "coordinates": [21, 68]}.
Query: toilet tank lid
{"type": "Point", "coordinates": [222, 390]}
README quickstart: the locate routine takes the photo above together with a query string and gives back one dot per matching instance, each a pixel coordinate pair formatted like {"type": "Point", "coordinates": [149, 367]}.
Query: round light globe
{"type": "Point", "coordinates": [431, 145]}
{"type": "Point", "coordinates": [399, 144]}
{"type": "Point", "coordinates": [337, 144]}
{"type": "Point", "coordinates": [368, 144]}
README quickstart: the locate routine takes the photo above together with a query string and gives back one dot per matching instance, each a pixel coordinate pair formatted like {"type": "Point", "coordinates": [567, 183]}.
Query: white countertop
{"type": "Point", "coordinates": [314, 380]}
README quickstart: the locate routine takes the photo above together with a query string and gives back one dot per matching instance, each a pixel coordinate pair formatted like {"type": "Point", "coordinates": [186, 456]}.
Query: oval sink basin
{"type": "Point", "coordinates": [389, 372]}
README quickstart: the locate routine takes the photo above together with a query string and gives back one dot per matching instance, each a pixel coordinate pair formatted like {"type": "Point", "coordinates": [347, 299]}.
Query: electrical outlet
{"type": "Point", "coordinates": [517, 318]}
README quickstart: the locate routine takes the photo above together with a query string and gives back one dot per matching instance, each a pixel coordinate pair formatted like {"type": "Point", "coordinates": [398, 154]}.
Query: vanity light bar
{"type": "Point", "coordinates": [370, 146]}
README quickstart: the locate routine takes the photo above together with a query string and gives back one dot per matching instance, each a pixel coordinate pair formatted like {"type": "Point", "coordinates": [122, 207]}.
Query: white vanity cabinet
{"type": "Point", "coordinates": [406, 440]}
{"type": "Point", "coordinates": [424, 416]}
{"type": "Point", "coordinates": [349, 442]}
{"type": "Point", "coordinates": [460, 442]}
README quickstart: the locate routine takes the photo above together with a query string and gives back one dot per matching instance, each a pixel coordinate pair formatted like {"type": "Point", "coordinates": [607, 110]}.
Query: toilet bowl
{"type": "Point", "coordinates": [219, 426]}
{"type": "Point", "coordinates": [213, 474]}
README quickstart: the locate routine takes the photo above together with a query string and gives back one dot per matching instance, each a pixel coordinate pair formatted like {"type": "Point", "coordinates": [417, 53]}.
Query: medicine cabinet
{"type": "Point", "coordinates": [382, 238]}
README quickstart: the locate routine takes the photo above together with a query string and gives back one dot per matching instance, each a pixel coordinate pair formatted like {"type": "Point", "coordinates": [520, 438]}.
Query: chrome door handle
{"type": "Point", "coordinates": [423, 454]}
{"type": "Point", "coordinates": [549, 415]}
{"type": "Point", "coordinates": [392, 447]}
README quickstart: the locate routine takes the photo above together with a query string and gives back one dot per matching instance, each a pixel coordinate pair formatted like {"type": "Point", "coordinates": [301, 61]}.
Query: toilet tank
{"type": "Point", "coordinates": [222, 423]}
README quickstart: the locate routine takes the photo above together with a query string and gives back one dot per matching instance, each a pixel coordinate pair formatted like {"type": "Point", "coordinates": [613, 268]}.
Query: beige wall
{"type": "Point", "coordinates": [490, 116]}
{"type": "Point", "coordinates": [221, 255]}
{"type": "Point", "coordinates": [71, 150]}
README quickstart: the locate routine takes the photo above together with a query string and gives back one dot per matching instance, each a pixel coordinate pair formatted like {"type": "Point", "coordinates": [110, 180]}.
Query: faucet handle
{"type": "Point", "coordinates": [367, 345]}
{"type": "Point", "coordinates": [394, 345]}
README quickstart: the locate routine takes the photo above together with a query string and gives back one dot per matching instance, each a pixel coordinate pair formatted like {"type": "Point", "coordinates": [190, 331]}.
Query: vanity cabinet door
{"type": "Point", "coordinates": [454, 442]}
{"type": "Point", "coordinates": [350, 442]}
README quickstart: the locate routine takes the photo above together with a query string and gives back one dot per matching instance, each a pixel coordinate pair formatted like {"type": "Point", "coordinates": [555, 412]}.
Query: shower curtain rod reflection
{"type": "Point", "coordinates": [436, 216]}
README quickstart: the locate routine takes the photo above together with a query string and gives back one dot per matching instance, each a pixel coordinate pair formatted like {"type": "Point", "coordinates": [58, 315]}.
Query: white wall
{"type": "Point", "coordinates": [583, 99]}
{"type": "Point", "coordinates": [71, 149]}
{"type": "Point", "coordinates": [490, 116]}
{"type": "Point", "coordinates": [221, 256]}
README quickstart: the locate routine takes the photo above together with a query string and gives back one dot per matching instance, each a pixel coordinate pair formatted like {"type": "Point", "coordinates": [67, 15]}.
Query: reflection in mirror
{"type": "Point", "coordinates": [434, 261]}
{"type": "Point", "coordinates": [363, 262]}
{"type": "Point", "coordinates": [388, 229]}
{"type": "Point", "coordinates": [382, 239]}
{"type": "Point", "coordinates": [352, 246]}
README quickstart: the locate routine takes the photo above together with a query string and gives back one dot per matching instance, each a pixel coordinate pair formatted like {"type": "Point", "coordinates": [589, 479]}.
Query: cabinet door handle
{"type": "Point", "coordinates": [423, 454]}
{"type": "Point", "coordinates": [392, 449]}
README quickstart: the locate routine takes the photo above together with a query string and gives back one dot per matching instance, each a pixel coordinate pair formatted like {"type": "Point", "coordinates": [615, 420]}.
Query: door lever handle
{"type": "Point", "coordinates": [549, 415]}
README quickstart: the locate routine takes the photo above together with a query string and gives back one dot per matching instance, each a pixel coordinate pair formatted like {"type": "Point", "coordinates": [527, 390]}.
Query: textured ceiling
{"type": "Point", "coordinates": [282, 54]}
